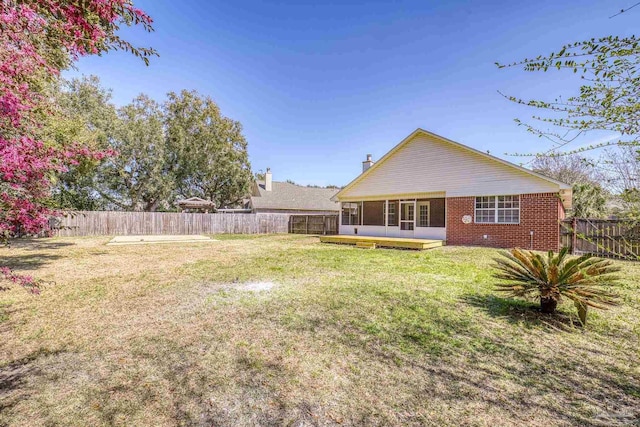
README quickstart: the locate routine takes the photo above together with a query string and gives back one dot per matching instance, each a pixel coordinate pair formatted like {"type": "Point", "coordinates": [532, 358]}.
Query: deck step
{"type": "Point", "coordinates": [383, 242]}
{"type": "Point", "coordinates": [366, 245]}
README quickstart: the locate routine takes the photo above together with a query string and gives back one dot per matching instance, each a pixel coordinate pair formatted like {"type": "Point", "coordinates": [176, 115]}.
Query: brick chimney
{"type": "Point", "coordinates": [367, 163]}
{"type": "Point", "coordinates": [268, 180]}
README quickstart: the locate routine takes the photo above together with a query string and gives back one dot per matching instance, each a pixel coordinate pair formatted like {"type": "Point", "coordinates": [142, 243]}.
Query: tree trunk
{"type": "Point", "coordinates": [151, 206]}
{"type": "Point", "coordinates": [548, 304]}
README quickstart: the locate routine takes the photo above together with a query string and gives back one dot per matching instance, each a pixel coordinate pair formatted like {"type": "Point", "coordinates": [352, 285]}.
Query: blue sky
{"type": "Point", "coordinates": [318, 85]}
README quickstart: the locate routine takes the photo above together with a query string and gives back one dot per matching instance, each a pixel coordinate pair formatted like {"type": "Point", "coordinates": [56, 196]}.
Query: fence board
{"type": "Point", "coordinates": [602, 237]}
{"type": "Point", "coordinates": [112, 223]}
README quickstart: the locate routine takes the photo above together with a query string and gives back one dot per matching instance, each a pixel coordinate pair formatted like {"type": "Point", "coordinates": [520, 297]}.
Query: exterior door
{"type": "Point", "coordinates": [423, 214]}
{"type": "Point", "coordinates": [407, 218]}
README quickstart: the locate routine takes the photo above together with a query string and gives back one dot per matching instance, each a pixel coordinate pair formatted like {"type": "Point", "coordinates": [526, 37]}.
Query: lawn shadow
{"type": "Point", "coordinates": [473, 374]}
{"type": "Point", "coordinates": [14, 376]}
{"type": "Point", "coordinates": [21, 261]}
{"type": "Point", "coordinates": [522, 312]}
{"type": "Point", "coordinates": [468, 384]}
{"type": "Point", "coordinates": [38, 244]}
{"type": "Point", "coordinates": [32, 253]}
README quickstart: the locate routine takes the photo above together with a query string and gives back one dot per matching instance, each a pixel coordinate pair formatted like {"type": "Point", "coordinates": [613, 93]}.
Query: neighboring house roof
{"type": "Point", "coordinates": [428, 163]}
{"type": "Point", "coordinates": [287, 196]}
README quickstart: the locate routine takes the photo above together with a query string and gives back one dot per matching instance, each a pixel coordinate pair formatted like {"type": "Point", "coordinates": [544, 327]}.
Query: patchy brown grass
{"type": "Point", "coordinates": [167, 335]}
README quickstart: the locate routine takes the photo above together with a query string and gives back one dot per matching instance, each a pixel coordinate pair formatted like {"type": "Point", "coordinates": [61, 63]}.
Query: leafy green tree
{"type": "Point", "coordinates": [137, 177]}
{"type": "Point", "coordinates": [207, 151]}
{"type": "Point", "coordinates": [608, 69]}
{"type": "Point", "coordinates": [82, 113]}
{"type": "Point", "coordinates": [631, 198]}
{"type": "Point", "coordinates": [623, 165]}
{"type": "Point", "coordinates": [86, 103]}
{"type": "Point", "coordinates": [158, 154]}
{"type": "Point", "coordinates": [589, 201]}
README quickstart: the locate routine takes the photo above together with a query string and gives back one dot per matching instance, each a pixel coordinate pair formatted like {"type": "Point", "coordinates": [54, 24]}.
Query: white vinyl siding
{"type": "Point", "coordinates": [429, 165]}
{"type": "Point", "coordinates": [497, 210]}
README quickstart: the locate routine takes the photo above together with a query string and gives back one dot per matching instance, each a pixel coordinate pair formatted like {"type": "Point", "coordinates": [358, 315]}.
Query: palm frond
{"type": "Point", "coordinates": [583, 279]}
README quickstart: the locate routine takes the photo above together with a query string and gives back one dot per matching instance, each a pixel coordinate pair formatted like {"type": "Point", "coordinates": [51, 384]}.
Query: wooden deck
{"type": "Point", "coordinates": [384, 242]}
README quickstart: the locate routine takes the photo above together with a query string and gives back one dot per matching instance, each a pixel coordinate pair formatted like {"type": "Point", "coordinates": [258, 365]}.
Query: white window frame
{"type": "Point", "coordinates": [386, 211]}
{"type": "Point", "coordinates": [419, 204]}
{"type": "Point", "coordinates": [359, 213]}
{"type": "Point", "coordinates": [495, 209]}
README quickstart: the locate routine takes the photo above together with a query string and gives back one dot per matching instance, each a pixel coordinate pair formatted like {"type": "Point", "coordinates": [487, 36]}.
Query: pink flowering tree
{"type": "Point", "coordinates": [39, 38]}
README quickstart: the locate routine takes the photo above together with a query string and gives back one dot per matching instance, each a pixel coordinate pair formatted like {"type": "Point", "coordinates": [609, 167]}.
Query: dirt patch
{"type": "Point", "coordinates": [255, 286]}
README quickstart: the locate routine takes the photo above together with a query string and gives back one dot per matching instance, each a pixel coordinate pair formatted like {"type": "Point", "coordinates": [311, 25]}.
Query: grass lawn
{"type": "Point", "coordinates": [170, 335]}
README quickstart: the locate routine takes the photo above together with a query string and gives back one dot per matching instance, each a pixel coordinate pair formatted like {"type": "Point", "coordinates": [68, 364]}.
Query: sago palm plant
{"type": "Point", "coordinates": [549, 278]}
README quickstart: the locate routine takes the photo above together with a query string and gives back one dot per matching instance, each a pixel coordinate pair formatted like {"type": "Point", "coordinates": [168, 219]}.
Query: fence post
{"type": "Point", "coordinates": [574, 237]}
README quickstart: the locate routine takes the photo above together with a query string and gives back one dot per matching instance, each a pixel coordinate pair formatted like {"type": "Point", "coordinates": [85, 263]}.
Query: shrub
{"type": "Point", "coordinates": [552, 277]}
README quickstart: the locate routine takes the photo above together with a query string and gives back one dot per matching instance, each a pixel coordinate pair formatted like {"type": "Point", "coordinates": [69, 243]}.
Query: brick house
{"type": "Point", "coordinates": [430, 187]}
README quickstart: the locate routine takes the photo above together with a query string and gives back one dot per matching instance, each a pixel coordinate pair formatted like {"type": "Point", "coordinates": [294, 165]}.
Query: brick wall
{"type": "Point", "coordinates": [539, 213]}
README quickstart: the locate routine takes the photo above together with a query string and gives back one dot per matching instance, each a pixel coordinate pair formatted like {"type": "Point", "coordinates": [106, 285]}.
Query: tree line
{"type": "Point", "coordinates": [156, 152]}
{"type": "Point", "coordinates": [602, 186]}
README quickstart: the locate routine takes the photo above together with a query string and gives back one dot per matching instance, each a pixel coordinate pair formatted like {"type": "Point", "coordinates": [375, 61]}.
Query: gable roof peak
{"type": "Point", "coordinates": [419, 131]}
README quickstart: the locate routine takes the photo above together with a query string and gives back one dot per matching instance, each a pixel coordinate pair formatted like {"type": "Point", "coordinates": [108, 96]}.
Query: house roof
{"type": "Point", "coordinates": [563, 187]}
{"type": "Point", "coordinates": [284, 195]}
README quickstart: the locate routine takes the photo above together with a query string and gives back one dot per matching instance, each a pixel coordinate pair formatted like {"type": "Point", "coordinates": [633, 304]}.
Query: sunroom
{"type": "Point", "coordinates": [420, 218]}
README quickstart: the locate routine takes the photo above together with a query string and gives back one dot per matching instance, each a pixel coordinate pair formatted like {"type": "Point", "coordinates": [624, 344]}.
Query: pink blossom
{"type": "Point", "coordinates": [26, 164]}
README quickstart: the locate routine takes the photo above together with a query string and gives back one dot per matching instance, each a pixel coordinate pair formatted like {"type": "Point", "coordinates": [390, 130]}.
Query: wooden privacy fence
{"type": "Point", "coordinates": [313, 224]}
{"type": "Point", "coordinates": [92, 223]}
{"type": "Point", "coordinates": [602, 237]}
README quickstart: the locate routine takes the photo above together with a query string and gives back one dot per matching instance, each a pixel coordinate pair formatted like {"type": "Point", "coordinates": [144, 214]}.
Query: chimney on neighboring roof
{"type": "Point", "coordinates": [268, 180]}
{"type": "Point", "coordinates": [367, 163]}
